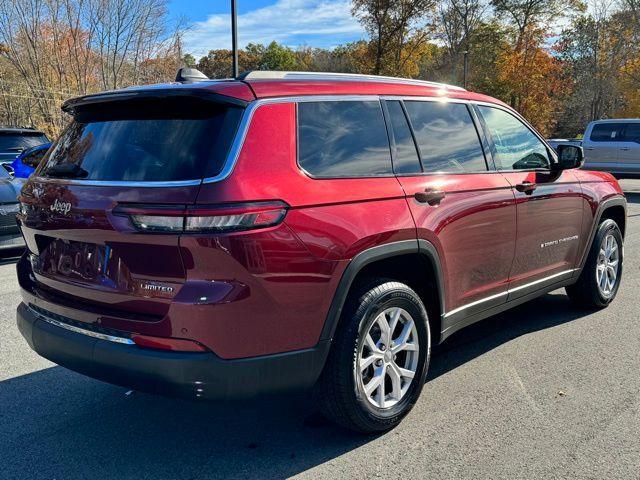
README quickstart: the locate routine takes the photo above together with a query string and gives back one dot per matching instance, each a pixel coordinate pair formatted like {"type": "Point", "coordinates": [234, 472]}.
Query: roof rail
{"type": "Point", "coordinates": [276, 75]}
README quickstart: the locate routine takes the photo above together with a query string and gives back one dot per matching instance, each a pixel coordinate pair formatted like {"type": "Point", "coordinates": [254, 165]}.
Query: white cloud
{"type": "Point", "coordinates": [322, 23]}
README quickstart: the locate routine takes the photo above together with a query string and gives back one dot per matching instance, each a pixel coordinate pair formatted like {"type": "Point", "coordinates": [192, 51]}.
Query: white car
{"type": "Point", "coordinates": [613, 146]}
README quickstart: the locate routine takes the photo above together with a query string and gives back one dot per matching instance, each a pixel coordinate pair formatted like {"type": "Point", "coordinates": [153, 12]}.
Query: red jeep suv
{"type": "Point", "coordinates": [287, 230]}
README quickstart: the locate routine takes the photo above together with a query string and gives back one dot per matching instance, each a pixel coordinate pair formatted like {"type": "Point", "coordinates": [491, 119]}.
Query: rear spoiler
{"type": "Point", "coordinates": [72, 105]}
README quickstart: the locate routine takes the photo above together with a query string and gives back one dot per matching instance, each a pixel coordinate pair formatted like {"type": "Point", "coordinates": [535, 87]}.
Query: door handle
{"type": "Point", "coordinates": [431, 196]}
{"type": "Point", "coordinates": [590, 148]}
{"type": "Point", "coordinates": [526, 187]}
{"type": "Point", "coordinates": [624, 148]}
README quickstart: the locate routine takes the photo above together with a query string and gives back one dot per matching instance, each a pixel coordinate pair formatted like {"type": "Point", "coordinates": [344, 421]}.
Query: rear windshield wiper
{"type": "Point", "coordinates": [66, 170]}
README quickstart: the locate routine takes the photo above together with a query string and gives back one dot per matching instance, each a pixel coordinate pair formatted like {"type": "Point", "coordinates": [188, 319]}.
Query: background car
{"type": "Point", "coordinates": [613, 146]}
{"type": "Point", "coordinates": [14, 140]}
{"type": "Point", "coordinates": [10, 236]}
{"type": "Point", "coordinates": [28, 160]}
{"type": "Point", "coordinates": [554, 142]}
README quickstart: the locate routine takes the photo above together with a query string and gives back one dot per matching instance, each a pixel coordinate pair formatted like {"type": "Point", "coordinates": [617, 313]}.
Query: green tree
{"type": "Point", "coordinates": [189, 60]}
{"type": "Point", "coordinates": [278, 57]}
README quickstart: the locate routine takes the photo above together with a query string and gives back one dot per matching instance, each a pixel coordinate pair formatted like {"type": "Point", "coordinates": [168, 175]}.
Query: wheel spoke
{"type": "Point", "coordinates": [375, 382]}
{"type": "Point", "coordinates": [405, 373]}
{"type": "Point", "coordinates": [364, 363]}
{"type": "Point", "coordinates": [381, 393]}
{"type": "Point", "coordinates": [385, 335]}
{"type": "Point", "coordinates": [395, 316]}
{"type": "Point", "coordinates": [406, 332]}
{"type": "Point", "coordinates": [396, 381]}
{"type": "Point", "coordinates": [371, 344]}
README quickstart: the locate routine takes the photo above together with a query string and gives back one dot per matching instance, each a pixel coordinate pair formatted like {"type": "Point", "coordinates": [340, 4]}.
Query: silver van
{"type": "Point", "coordinates": [613, 146]}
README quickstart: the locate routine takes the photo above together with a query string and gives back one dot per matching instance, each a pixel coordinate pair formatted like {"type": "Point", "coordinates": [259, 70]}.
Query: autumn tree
{"type": "Point", "coordinates": [535, 78]}
{"type": "Point", "coordinates": [396, 28]}
{"type": "Point", "coordinates": [597, 51]}
{"type": "Point", "coordinates": [458, 22]}
{"type": "Point", "coordinates": [57, 49]}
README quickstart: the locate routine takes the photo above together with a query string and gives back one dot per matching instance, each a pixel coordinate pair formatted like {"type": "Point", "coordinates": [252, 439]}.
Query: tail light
{"type": "Point", "coordinates": [225, 218]}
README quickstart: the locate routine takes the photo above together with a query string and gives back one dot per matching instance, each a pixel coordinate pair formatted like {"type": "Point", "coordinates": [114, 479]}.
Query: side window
{"type": "Point", "coordinates": [446, 136]}
{"type": "Point", "coordinates": [606, 132]}
{"type": "Point", "coordinates": [518, 148]}
{"type": "Point", "coordinates": [405, 159]}
{"type": "Point", "coordinates": [632, 133]}
{"type": "Point", "coordinates": [343, 139]}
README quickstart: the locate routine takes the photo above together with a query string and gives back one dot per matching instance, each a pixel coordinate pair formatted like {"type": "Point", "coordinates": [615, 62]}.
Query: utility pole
{"type": "Point", "coordinates": [234, 38]}
{"type": "Point", "coordinates": [465, 69]}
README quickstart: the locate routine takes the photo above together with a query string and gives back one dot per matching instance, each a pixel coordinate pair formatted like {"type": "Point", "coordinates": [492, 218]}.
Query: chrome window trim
{"type": "Point", "coordinates": [89, 333]}
{"type": "Point", "coordinates": [508, 291]}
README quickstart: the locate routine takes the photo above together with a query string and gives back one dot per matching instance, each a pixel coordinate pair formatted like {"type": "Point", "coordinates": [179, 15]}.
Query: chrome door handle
{"type": "Point", "coordinates": [431, 196]}
{"type": "Point", "coordinates": [526, 187]}
{"type": "Point", "coordinates": [625, 148]}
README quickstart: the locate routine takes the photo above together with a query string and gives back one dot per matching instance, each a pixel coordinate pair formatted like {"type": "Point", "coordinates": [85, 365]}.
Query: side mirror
{"type": "Point", "coordinates": [569, 156]}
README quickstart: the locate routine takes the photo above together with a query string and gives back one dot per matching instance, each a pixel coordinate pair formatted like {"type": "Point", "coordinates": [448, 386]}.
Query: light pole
{"type": "Point", "coordinates": [234, 38]}
{"type": "Point", "coordinates": [465, 69]}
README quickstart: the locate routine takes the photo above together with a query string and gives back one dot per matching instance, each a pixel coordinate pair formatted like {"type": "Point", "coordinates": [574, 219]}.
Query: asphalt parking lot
{"type": "Point", "coordinates": [542, 391]}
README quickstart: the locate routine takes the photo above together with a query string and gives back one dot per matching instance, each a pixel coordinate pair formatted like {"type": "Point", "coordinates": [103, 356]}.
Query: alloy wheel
{"type": "Point", "coordinates": [607, 265]}
{"type": "Point", "coordinates": [388, 358]}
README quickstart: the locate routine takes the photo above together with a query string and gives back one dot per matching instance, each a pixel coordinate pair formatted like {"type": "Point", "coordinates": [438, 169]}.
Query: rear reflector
{"type": "Point", "coordinates": [170, 344]}
{"type": "Point", "coordinates": [212, 219]}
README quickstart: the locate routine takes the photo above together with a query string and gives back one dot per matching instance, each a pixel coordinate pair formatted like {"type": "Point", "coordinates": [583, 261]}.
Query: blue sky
{"type": "Point", "coordinates": [318, 23]}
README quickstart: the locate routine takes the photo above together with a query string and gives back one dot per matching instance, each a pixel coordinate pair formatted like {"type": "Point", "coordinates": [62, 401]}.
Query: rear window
{"type": "Point", "coordinates": [606, 132]}
{"type": "Point", "coordinates": [343, 139]}
{"type": "Point", "coordinates": [20, 141]}
{"type": "Point", "coordinates": [152, 140]}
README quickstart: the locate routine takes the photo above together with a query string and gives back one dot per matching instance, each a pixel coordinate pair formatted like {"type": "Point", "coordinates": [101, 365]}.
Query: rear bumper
{"type": "Point", "coordinates": [199, 375]}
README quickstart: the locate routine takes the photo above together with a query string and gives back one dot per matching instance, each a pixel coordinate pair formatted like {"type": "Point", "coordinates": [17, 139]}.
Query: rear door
{"type": "Point", "coordinates": [601, 146]}
{"type": "Point", "coordinates": [549, 204]}
{"type": "Point", "coordinates": [629, 152]}
{"type": "Point", "coordinates": [460, 205]}
{"type": "Point", "coordinates": [134, 155]}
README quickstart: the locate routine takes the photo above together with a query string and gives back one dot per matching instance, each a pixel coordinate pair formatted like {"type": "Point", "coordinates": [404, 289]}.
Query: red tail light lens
{"type": "Point", "coordinates": [170, 344]}
{"type": "Point", "coordinates": [213, 219]}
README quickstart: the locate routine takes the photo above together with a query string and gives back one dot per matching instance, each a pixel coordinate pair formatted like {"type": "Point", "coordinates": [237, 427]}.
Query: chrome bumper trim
{"type": "Point", "coordinates": [89, 333]}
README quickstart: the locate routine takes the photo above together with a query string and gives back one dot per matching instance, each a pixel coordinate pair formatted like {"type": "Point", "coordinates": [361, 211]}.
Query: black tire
{"type": "Point", "coordinates": [338, 393]}
{"type": "Point", "coordinates": [585, 292]}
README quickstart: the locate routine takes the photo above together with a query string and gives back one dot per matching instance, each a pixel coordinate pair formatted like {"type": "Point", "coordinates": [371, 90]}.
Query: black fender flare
{"type": "Point", "coordinates": [373, 254]}
{"type": "Point", "coordinates": [618, 200]}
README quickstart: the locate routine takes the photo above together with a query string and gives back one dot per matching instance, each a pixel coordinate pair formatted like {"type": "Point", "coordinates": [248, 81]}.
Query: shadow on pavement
{"type": "Point", "coordinates": [58, 424]}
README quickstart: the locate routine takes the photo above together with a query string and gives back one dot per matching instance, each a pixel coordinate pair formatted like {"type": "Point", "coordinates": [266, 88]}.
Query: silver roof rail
{"type": "Point", "coordinates": [275, 75]}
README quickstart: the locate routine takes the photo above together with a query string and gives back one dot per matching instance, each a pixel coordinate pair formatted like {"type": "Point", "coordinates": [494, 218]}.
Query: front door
{"type": "Point", "coordinates": [549, 204]}
{"type": "Point", "coordinates": [465, 210]}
